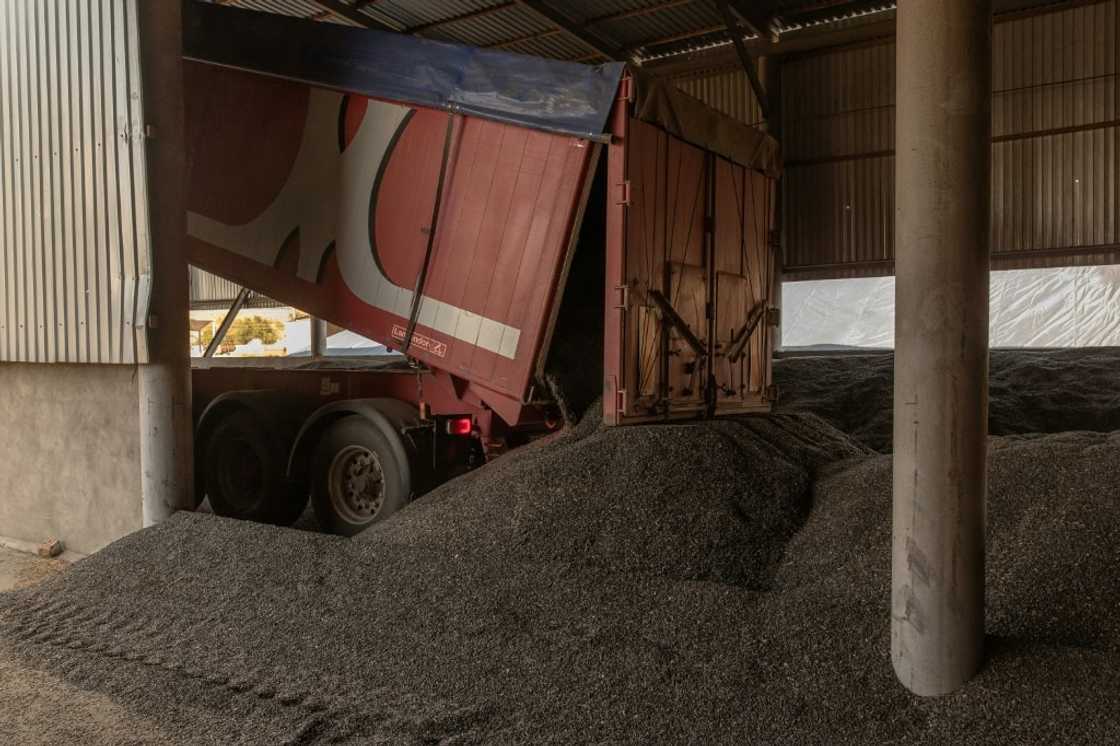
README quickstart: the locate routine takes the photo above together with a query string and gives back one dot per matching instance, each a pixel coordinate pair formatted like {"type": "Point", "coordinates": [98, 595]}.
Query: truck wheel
{"type": "Point", "coordinates": [357, 477]}
{"type": "Point", "coordinates": [244, 471]}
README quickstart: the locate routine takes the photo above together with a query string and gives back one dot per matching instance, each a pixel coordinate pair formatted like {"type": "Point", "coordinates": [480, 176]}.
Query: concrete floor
{"type": "Point", "coordinates": [19, 569]}
{"type": "Point", "coordinates": [39, 708]}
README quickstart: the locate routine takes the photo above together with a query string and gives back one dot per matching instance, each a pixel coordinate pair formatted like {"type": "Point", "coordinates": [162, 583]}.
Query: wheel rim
{"type": "Point", "coordinates": [356, 483]}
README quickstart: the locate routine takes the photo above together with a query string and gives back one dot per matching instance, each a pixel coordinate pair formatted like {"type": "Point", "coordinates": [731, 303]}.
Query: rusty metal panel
{"type": "Point", "coordinates": [1055, 151]}
{"type": "Point", "coordinates": [727, 91]}
{"type": "Point", "coordinates": [74, 238]}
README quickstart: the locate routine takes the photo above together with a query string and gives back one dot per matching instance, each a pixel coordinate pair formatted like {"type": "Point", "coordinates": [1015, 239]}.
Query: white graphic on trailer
{"type": "Point", "coordinates": [315, 172]}
{"type": "Point", "coordinates": [320, 172]}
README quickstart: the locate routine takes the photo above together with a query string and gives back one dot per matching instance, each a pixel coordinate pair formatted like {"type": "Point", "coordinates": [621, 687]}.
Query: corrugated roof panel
{"type": "Point", "coordinates": [411, 13]}
{"type": "Point", "coordinates": [670, 21]}
{"type": "Point", "coordinates": [555, 46]}
{"type": "Point", "coordinates": [296, 8]}
{"type": "Point", "coordinates": [660, 28]}
{"type": "Point", "coordinates": [495, 29]}
{"type": "Point", "coordinates": [474, 12]}
{"type": "Point", "coordinates": [75, 251]}
{"type": "Point", "coordinates": [687, 43]}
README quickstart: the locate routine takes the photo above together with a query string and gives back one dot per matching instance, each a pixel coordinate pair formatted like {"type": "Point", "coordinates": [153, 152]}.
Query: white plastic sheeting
{"type": "Point", "coordinates": [1065, 307]}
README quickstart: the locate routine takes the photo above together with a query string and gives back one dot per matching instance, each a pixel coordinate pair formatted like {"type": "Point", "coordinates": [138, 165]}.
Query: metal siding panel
{"type": "Point", "coordinates": [74, 236]}
{"type": "Point", "coordinates": [728, 91]}
{"type": "Point", "coordinates": [141, 225]}
{"type": "Point", "coordinates": [211, 291]}
{"type": "Point", "coordinates": [35, 224]}
{"type": "Point", "coordinates": [7, 192]}
{"type": "Point", "coordinates": [24, 186]}
{"type": "Point", "coordinates": [1055, 119]}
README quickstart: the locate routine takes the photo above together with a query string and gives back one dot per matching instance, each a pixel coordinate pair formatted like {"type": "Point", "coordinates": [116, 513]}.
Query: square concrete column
{"type": "Point", "coordinates": [943, 186]}
{"type": "Point", "coordinates": [165, 381]}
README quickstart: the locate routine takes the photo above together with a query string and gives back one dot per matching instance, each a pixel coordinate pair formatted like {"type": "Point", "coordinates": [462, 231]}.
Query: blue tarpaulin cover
{"type": "Point", "coordinates": [564, 97]}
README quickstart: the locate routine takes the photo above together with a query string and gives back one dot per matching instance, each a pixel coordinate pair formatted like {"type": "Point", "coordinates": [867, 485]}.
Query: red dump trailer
{"type": "Point", "coordinates": [473, 210]}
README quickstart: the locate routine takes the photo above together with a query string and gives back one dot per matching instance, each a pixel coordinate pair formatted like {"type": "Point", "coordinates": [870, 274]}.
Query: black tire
{"type": "Point", "coordinates": [245, 473]}
{"type": "Point", "coordinates": [359, 448]}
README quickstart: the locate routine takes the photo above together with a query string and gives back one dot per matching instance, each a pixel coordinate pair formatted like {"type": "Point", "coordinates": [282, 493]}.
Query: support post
{"type": "Point", "coordinates": [227, 321]}
{"type": "Point", "coordinates": [745, 59]}
{"type": "Point", "coordinates": [164, 383]}
{"type": "Point", "coordinates": [943, 183]}
{"type": "Point", "coordinates": [318, 338]}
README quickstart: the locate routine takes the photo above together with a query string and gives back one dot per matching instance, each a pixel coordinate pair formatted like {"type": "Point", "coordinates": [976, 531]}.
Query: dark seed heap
{"type": "Point", "coordinates": [696, 583]}
{"type": "Point", "coordinates": [1029, 391]}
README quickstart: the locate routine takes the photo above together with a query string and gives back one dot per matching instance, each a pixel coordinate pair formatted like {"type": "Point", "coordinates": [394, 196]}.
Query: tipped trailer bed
{"type": "Point", "coordinates": [433, 197]}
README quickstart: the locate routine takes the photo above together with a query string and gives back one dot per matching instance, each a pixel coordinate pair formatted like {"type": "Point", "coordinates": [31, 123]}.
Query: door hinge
{"type": "Point", "coordinates": [623, 297]}
{"type": "Point", "coordinates": [623, 194]}
{"type": "Point", "coordinates": [626, 89]}
{"type": "Point", "coordinates": [620, 400]}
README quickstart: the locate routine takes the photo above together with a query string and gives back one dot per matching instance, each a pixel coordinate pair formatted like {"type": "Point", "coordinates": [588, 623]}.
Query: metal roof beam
{"type": "Point", "coordinates": [640, 12]}
{"type": "Point", "coordinates": [833, 13]}
{"type": "Point", "coordinates": [604, 47]}
{"type": "Point", "coordinates": [761, 23]}
{"type": "Point", "coordinates": [737, 34]}
{"type": "Point", "coordinates": [352, 14]}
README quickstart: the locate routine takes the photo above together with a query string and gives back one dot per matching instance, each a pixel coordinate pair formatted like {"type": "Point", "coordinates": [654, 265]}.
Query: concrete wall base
{"type": "Point", "coordinates": [69, 454]}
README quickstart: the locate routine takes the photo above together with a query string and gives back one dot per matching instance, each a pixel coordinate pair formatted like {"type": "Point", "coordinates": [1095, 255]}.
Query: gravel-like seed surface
{"type": "Point", "coordinates": [589, 613]}
{"type": "Point", "coordinates": [718, 582]}
{"type": "Point", "coordinates": [1037, 391]}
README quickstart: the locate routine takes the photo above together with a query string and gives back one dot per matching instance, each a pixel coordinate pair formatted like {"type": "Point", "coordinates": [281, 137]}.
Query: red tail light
{"type": "Point", "coordinates": [460, 426]}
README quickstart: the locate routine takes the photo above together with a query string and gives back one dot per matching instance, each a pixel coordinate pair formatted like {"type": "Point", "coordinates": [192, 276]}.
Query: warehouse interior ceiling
{"type": "Point", "coordinates": [650, 32]}
{"type": "Point", "coordinates": [1055, 123]}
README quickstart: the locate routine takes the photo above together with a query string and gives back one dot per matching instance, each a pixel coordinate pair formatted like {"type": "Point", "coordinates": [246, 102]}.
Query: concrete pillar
{"type": "Point", "coordinates": [165, 382]}
{"type": "Point", "coordinates": [943, 176]}
{"type": "Point", "coordinates": [318, 338]}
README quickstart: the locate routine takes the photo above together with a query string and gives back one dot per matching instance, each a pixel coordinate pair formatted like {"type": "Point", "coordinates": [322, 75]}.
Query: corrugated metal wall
{"type": "Point", "coordinates": [726, 90]}
{"type": "Point", "coordinates": [75, 251]}
{"type": "Point", "coordinates": [208, 291]}
{"type": "Point", "coordinates": [1055, 156]}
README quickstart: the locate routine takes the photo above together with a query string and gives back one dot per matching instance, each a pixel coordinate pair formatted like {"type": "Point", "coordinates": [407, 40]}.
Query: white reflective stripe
{"type": "Point", "coordinates": [319, 171]}
{"type": "Point", "coordinates": [315, 171]}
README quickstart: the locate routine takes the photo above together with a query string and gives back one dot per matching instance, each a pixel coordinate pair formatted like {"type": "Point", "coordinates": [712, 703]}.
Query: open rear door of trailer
{"type": "Point", "coordinates": [691, 260]}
